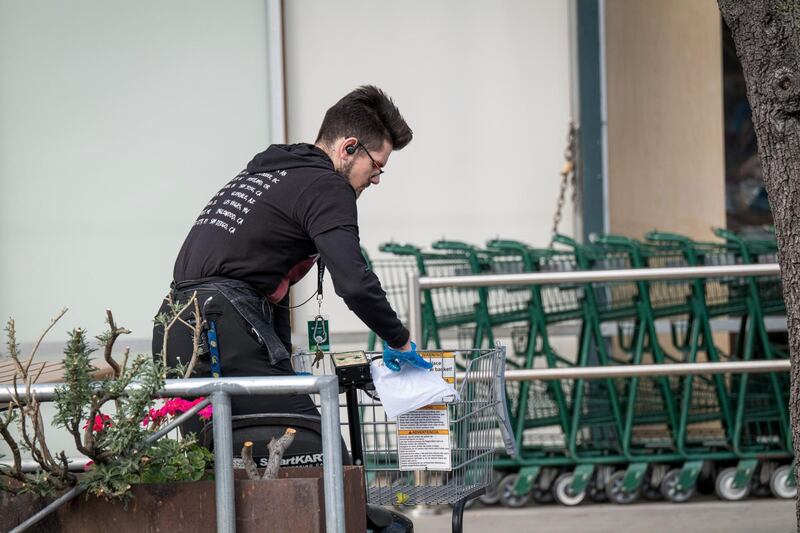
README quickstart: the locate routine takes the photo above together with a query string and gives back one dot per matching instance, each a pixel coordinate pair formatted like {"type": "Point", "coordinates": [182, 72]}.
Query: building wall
{"type": "Point", "coordinates": [665, 127]}
{"type": "Point", "coordinates": [118, 120]}
{"type": "Point", "coordinates": [485, 87]}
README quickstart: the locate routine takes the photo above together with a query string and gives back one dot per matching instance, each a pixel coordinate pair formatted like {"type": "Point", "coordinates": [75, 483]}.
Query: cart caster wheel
{"type": "Point", "coordinates": [492, 495]}
{"type": "Point", "coordinates": [596, 494]}
{"type": "Point", "coordinates": [507, 496]}
{"type": "Point", "coordinates": [725, 488]}
{"type": "Point", "coordinates": [563, 493]}
{"type": "Point", "coordinates": [778, 483]}
{"type": "Point", "coordinates": [614, 489]}
{"type": "Point", "coordinates": [542, 495]}
{"type": "Point", "coordinates": [669, 487]}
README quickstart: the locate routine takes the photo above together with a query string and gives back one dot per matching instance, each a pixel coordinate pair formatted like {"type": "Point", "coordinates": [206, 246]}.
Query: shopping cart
{"type": "Point", "coordinates": [477, 426]}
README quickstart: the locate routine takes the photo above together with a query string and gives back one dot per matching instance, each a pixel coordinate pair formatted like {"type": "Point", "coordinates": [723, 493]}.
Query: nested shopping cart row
{"type": "Point", "coordinates": [619, 438]}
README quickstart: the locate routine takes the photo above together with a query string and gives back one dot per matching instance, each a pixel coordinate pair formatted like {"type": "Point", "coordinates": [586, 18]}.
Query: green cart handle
{"type": "Point", "coordinates": [615, 240]}
{"type": "Point", "coordinates": [665, 236]}
{"type": "Point", "coordinates": [749, 248]}
{"type": "Point", "coordinates": [399, 249]}
{"type": "Point", "coordinates": [566, 241]}
{"type": "Point", "coordinates": [528, 254]}
{"type": "Point", "coordinates": [507, 245]}
{"type": "Point", "coordinates": [477, 264]}
{"type": "Point", "coordinates": [728, 235]}
{"type": "Point", "coordinates": [452, 245]}
{"type": "Point", "coordinates": [734, 239]}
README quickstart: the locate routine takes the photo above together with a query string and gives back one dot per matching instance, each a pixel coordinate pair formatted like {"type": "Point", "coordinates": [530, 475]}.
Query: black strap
{"type": "Point", "coordinates": [320, 276]}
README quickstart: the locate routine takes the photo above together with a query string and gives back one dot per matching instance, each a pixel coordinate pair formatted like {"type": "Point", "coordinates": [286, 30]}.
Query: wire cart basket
{"type": "Point", "coordinates": [477, 425]}
{"type": "Point", "coordinates": [473, 422]}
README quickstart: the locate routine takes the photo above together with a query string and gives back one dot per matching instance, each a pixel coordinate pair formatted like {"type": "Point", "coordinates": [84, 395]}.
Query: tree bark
{"type": "Point", "coordinates": [766, 38]}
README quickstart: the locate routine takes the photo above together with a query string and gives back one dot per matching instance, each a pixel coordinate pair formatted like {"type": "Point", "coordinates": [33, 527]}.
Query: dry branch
{"type": "Point", "coordinates": [276, 451]}
{"type": "Point", "coordinates": [172, 322]}
{"type": "Point", "coordinates": [249, 464]}
{"type": "Point", "coordinates": [115, 332]}
{"type": "Point", "coordinates": [41, 337]}
{"type": "Point", "coordinates": [197, 332]}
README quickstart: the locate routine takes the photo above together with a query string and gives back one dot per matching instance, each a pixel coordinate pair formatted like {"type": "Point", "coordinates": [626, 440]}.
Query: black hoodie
{"type": "Point", "coordinates": [269, 224]}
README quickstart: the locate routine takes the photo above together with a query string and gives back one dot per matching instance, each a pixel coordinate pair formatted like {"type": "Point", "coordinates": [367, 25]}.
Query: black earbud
{"type": "Point", "coordinates": [351, 149]}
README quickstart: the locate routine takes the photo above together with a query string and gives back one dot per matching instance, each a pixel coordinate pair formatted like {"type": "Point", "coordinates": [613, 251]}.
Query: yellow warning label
{"type": "Point", "coordinates": [423, 432]}
{"type": "Point", "coordinates": [423, 439]}
{"type": "Point", "coordinates": [433, 407]}
{"type": "Point", "coordinates": [442, 355]}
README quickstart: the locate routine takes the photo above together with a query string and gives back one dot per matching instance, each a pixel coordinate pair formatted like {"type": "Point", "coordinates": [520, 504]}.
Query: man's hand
{"type": "Point", "coordinates": [392, 357]}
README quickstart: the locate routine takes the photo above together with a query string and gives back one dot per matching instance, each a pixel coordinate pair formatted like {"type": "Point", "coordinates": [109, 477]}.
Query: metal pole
{"type": "Point", "coordinates": [414, 308]}
{"type": "Point", "coordinates": [223, 462]}
{"type": "Point", "coordinates": [626, 371]}
{"type": "Point", "coordinates": [219, 390]}
{"type": "Point", "coordinates": [195, 387]}
{"type": "Point", "coordinates": [332, 471]}
{"type": "Point", "coordinates": [277, 84]}
{"type": "Point", "coordinates": [597, 276]}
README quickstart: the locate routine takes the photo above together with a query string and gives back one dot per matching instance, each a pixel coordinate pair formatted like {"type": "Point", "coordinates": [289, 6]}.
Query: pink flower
{"type": "Point", "coordinates": [101, 422]}
{"type": "Point", "coordinates": [206, 412]}
{"type": "Point", "coordinates": [174, 406]}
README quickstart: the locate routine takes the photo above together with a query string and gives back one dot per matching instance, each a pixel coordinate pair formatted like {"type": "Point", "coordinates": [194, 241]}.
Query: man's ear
{"type": "Point", "coordinates": [348, 147]}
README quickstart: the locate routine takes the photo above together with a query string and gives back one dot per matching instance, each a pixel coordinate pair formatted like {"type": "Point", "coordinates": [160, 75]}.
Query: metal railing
{"type": "Point", "coordinates": [220, 391]}
{"type": "Point", "coordinates": [417, 284]}
{"type": "Point", "coordinates": [630, 371]}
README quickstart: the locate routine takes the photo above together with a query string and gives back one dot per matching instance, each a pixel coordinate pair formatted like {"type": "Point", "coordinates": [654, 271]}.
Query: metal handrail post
{"type": "Point", "coordinates": [220, 390]}
{"type": "Point", "coordinates": [332, 470]}
{"type": "Point", "coordinates": [223, 462]}
{"type": "Point", "coordinates": [414, 307]}
{"type": "Point", "coordinates": [650, 370]}
{"type": "Point", "coordinates": [597, 276]}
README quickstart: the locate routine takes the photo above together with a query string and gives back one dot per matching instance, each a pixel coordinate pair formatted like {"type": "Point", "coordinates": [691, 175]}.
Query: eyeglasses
{"type": "Point", "coordinates": [374, 163]}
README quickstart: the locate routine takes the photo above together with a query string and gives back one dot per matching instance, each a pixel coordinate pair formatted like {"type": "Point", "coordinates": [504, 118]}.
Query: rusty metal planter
{"type": "Point", "coordinates": [293, 503]}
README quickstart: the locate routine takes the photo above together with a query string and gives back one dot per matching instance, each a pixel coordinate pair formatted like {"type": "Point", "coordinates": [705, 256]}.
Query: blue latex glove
{"type": "Point", "coordinates": [392, 358]}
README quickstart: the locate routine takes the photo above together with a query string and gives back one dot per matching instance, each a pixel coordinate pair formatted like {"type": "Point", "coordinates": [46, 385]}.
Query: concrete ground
{"type": "Point", "coordinates": [704, 515]}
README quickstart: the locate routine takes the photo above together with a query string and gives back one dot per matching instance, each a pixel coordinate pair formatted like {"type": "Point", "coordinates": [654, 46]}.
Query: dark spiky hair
{"type": "Point", "coordinates": [369, 115]}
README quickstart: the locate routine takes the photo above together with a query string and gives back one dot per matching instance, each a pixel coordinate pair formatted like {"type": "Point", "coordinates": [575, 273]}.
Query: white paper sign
{"type": "Point", "coordinates": [444, 364]}
{"type": "Point", "coordinates": [423, 439]}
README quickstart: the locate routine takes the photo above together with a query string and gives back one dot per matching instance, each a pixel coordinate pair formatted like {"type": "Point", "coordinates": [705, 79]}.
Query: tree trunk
{"type": "Point", "coordinates": [766, 37]}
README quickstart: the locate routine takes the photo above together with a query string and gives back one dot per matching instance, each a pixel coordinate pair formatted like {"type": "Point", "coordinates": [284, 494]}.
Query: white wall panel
{"type": "Point", "coordinates": [485, 87]}
{"type": "Point", "coordinates": [118, 120]}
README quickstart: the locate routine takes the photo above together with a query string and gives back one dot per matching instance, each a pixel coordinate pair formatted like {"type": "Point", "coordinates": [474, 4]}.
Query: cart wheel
{"type": "Point", "coordinates": [669, 487]}
{"type": "Point", "coordinates": [778, 483]}
{"type": "Point", "coordinates": [614, 489]}
{"type": "Point", "coordinates": [507, 496]}
{"type": "Point", "coordinates": [563, 493]}
{"type": "Point", "coordinates": [725, 488]}
{"type": "Point", "coordinates": [492, 495]}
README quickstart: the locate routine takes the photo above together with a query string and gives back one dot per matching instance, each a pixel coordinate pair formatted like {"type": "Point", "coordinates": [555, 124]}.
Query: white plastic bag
{"type": "Point", "coordinates": [409, 389]}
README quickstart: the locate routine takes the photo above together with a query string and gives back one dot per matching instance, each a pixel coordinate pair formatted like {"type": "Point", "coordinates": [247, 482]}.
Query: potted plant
{"type": "Point", "coordinates": [134, 482]}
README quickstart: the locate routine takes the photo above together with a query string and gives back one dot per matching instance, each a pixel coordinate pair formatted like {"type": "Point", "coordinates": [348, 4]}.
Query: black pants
{"type": "Point", "coordinates": [241, 353]}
